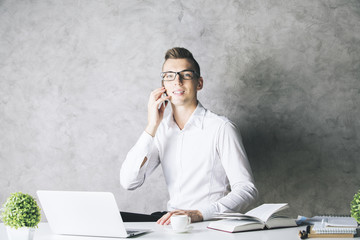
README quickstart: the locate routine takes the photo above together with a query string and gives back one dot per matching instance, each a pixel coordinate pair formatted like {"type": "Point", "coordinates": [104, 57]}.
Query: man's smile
{"type": "Point", "coordinates": [178, 92]}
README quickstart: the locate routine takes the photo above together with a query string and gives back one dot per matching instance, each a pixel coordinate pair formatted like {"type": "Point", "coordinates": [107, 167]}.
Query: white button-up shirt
{"type": "Point", "coordinates": [204, 164]}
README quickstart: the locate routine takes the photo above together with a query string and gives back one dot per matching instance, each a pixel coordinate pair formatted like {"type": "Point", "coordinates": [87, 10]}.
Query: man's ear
{"type": "Point", "coordinates": [200, 83]}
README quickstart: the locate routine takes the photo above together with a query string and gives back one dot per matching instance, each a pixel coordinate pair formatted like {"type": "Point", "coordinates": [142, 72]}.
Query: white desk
{"type": "Point", "coordinates": [199, 232]}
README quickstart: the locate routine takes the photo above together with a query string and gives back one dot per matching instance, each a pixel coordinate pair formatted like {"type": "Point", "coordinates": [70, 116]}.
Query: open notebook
{"type": "Point", "coordinates": [261, 217]}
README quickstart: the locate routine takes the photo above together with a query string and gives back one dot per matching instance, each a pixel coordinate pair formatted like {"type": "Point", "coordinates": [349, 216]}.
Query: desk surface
{"type": "Point", "coordinates": [199, 232]}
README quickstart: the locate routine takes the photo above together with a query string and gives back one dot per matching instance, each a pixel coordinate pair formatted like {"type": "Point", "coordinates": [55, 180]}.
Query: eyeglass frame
{"type": "Point", "coordinates": [178, 73]}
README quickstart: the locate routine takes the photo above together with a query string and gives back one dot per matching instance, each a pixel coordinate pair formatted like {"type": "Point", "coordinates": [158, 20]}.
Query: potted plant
{"type": "Point", "coordinates": [21, 215]}
{"type": "Point", "coordinates": [355, 207]}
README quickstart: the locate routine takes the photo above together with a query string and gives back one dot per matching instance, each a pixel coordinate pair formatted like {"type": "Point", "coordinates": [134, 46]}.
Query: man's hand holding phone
{"type": "Point", "coordinates": [156, 108]}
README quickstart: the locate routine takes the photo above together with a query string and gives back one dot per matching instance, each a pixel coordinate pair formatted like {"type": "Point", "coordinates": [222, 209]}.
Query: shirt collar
{"type": "Point", "coordinates": [196, 119]}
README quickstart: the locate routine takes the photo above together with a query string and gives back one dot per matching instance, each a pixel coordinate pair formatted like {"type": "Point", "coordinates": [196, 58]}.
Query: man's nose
{"type": "Point", "coordinates": [178, 79]}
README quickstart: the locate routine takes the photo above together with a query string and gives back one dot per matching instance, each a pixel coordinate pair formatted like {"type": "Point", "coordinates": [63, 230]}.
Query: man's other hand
{"type": "Point", "coordinates": [195, 216]}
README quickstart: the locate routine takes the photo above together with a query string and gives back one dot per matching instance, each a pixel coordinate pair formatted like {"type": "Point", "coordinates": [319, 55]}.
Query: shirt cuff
{"type": "Point", "coordinates": [208, 211]}
{"type": "Point", "coordinates": [145, 142]}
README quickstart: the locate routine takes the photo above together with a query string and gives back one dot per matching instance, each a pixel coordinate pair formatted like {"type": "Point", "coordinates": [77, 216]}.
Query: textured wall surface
{"type": "Point", "coordinates": [75, 77]}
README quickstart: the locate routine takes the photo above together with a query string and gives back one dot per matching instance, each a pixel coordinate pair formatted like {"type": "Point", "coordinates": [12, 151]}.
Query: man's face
{"type": "Point", "coordinates": [182, 92]}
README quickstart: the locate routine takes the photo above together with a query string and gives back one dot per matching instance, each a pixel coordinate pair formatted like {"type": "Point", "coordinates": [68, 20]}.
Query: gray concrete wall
{"type": "Point", "coordinates": [75, 78]}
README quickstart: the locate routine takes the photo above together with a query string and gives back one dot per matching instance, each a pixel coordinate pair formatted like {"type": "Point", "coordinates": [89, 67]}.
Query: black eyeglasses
{"type": "Point", "coordinates": [184, 75]}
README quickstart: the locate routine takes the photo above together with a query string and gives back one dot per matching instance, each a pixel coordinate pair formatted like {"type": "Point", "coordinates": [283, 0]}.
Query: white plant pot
{"type": "Point", "coordinates": [23, 233]}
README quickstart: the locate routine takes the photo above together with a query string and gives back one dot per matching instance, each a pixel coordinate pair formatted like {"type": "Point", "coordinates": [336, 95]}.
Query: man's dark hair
{"type": "Point", "coordinates": [178, 52]}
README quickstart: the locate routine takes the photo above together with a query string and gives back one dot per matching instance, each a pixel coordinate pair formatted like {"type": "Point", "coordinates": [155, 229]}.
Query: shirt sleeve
{"type": "Point", "coordinates": [132, 174]}
{"type": "Point", "coordinates": [236, 165]}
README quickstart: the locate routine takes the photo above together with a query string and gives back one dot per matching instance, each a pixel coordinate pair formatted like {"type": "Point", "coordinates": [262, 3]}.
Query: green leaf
{"type": "Point", "coordinates": [20, 210]}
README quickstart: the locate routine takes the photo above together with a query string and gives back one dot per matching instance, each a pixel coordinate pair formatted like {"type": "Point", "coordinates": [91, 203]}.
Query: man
{"type": "Point", "coordinates": [203, 160]}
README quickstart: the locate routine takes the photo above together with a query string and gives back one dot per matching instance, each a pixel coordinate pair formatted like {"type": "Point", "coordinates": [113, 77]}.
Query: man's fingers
{"type": "Point", "coordinates": [164, 219]}
{"type": "Point", "coordinates": [156, 94]}
{"type": "Point", "coordinates": [157, 90]}
{"type": "Point", "coordinates": [162, 99]}
{"type": "Point", "coordinates": [161, 219]}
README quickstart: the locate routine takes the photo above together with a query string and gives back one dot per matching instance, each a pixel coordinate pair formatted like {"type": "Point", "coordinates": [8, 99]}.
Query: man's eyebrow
{"type": "Point", "coordinates": [182, 70]}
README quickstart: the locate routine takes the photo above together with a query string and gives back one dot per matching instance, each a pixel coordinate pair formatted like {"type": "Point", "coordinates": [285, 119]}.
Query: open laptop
{"type": "Point", "coordinates": [84, 213]}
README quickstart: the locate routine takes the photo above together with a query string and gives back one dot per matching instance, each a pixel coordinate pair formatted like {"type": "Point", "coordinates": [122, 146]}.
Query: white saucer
{"type": "Point", "coordinates": [187, 229]}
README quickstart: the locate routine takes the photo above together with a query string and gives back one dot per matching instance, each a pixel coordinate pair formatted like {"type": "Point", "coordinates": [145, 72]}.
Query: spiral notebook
{"type": "Point", "coordinates": [331, 227]}
{"type": "Point", "coordinates": [321, 229]}
{"type": "Point", "coordinates": [328, 233]}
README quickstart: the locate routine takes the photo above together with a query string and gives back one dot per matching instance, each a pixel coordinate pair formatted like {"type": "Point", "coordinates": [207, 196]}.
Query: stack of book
{"type": "Point", "coordinates": [331, 227]}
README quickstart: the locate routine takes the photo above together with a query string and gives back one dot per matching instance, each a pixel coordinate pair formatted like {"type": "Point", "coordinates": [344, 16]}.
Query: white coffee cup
{"type": "Point", "coordinates": [180, 222]}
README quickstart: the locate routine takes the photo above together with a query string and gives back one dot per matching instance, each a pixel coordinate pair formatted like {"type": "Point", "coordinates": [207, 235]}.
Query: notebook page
{"type": "Point", "coordinates": [265, 211]}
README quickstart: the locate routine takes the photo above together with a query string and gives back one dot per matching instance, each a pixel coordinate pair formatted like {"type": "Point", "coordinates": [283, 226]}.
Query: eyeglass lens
{"type": "Point", "coordinates": [169, 76]}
